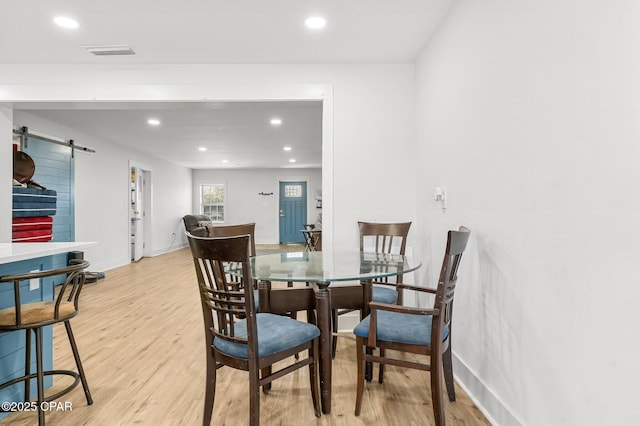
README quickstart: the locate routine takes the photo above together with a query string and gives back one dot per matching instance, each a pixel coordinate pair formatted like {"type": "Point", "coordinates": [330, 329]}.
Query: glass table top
{"type": "Point", "coordinates": [325, 266]}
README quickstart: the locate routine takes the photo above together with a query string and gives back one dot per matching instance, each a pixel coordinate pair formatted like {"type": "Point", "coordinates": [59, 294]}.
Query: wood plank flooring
{"type": "Point", "coordinates": [140, 336]}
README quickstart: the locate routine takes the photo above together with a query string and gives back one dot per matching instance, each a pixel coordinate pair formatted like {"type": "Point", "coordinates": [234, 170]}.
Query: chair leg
{"type": "Point", "coordinates": [311, 316]}
{"type": "Point", "coordinates": [448, 374]}
{"type": "Point", "coordinates": [368, 366]}
{"type": "Point", "coordinates": [40, 375]}
{"type": "Point", "coordinates": [436, 389]}
{"type": "Point", "coordinates": [76, 356]}
{"type": "Point", "coordinates": [381, 368]}
{"type": "Point", "coordinates": [292, 314]}
{"type": "Point", "coordinates": [27, 366]}
{"type": "Point", "coordinates": [334, 338]}
{"type": "Point", "coordinates": [360, 378]}
{"type": "Point", "coordinates": [210, 390]}
{"type": "Point", "coordinates": [264, 373]}
{"type": "Point", "coordinates": [254, 397]}
{"type": "Point", "coordinates": [313, 377]}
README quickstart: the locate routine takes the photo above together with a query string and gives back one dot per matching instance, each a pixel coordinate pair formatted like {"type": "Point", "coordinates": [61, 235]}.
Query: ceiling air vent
{"type": "Point", "coordinates": [110, 49]}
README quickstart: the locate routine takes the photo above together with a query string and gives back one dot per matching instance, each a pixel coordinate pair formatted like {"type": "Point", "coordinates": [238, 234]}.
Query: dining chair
{"type": "Point", "coordinates": [423, 331]}
{"type": "Point", "coordinates": [379, 238]}
{"type": "Point", "coordinates": [34, 317]}
{"type": "Point", "coordinates": [236, 335]}
{"type": "Point", "coordinates": [215, 231]}
{"type": "Point", "coordinates": [242, 229]}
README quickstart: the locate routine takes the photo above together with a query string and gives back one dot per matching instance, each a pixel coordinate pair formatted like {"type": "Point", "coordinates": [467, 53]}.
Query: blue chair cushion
{"type": "Point", "coordinates": [276, 333]}
{"type": "Point", "coordinates": [383, 294]}
{"type": "Point", "coordinates": [400, 328]}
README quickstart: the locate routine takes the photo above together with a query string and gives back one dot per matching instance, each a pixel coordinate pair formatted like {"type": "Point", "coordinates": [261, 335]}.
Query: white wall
{"type": "Point", "coordinates": [6, 168]}
{"type": "Point", "coordinates": [102, 195]}
{"type": "Point", "coordinates": [528, 114]}
{"type": "Point", "coordinates": [245, 205]}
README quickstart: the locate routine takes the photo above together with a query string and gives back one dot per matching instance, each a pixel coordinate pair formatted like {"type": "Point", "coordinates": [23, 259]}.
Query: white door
{"type": "Point", "coordinates": [137, 214]}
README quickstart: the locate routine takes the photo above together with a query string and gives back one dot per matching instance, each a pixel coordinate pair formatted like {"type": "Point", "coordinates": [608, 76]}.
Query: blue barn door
{"type": "Point", "coordinates": [55, 170]}
{"type": "Point", "coordinates": [293, 211]}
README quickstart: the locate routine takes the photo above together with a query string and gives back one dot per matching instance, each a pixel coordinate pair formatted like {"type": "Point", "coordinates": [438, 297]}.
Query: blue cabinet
{"type": "Point", "coordinates": [12, 345]}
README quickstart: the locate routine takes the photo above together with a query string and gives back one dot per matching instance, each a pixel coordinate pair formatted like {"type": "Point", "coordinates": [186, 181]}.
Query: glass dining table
{"type": "Point", "coordinates": [321, 269]}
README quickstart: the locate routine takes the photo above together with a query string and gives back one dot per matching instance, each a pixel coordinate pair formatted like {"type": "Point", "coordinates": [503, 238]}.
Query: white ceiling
{"type": "Point", "coordinates": [239, 133]}
{"type": "Point", "coordinates": [214, 32]}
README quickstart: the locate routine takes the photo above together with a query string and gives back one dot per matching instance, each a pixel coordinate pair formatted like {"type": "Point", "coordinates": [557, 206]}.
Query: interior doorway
{"type": "Point", "coordinates": [140, 211]}
{"type": "Point", "coordinates": [104, 96]}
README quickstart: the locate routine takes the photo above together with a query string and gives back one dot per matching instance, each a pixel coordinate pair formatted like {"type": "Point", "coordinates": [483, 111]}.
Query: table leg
{"type": "Point", "coordinates": [367, 294]}
{"type": "Point", "coordinates": [323, 310]}
{"type": "Point", "coordinates": [264, 294]}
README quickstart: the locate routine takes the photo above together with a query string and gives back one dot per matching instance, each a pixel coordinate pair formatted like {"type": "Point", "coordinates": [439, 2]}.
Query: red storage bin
{"type": "Point", "coordinates": [32, 229]}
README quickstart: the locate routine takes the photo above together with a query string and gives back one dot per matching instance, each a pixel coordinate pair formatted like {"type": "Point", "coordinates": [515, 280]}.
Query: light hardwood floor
{"type": "Point", "coordinates": [140, 336]}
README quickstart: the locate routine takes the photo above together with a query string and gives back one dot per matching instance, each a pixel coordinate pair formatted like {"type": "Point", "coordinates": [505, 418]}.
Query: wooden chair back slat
{"type": "Point", "coordinates": [456, 244]}
{"type": "Point", "coordinates": [223, 301]}
{"type": "Point", "coordinates": [387, 238]}
{"type": "Point", "coordinates": [217, 231]}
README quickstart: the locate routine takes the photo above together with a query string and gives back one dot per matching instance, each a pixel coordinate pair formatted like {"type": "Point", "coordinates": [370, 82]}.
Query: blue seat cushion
{"type": "Point", "coordinates": [400, 328]}
{"type": "Point", "coordinates": [276, 333]}
{"type": "Point", "coordinates": [383, 294]}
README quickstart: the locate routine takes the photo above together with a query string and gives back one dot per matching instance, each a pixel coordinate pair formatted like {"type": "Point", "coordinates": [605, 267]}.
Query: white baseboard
{"type": "Point", "coordinates": [165, 250]}
{"type": "Point", "coordinates": [98, 266]}
{"type": "Point", "coordinates": [116, 263]}
{"type": "Point", "coordinates": [496, 412]}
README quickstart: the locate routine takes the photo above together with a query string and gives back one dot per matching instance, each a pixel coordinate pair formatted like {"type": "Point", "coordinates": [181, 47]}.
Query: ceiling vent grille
{"type": "Point", "coordinates": [110, 50]}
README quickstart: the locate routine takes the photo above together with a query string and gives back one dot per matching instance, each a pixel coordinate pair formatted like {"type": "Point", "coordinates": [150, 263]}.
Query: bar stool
{"type": "Point", "coordinates": [34, 316]}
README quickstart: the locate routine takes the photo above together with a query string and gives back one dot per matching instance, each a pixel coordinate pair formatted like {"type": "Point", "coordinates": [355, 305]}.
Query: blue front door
{"type": "Point", "coordinates": [293, 211]}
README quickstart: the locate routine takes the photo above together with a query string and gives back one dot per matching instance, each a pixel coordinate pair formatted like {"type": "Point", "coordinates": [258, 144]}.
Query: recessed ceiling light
{"type": "Point", "coordinates": [153, 121]}
{"type": "Point", "coordinates": [276, 121]}
{"type": "Point", "coordinates": [287, 148]}
{"type": "Point", "coordinates": [66, 22]}
{"type": "Point", "coordinates": [293, 160]}
{"type": "Point", "coordinates": [202, 149]}
{"type": "Point", "coordinates": [315, 22]}
{"type": "Point", "coordinates": [225, 161]}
